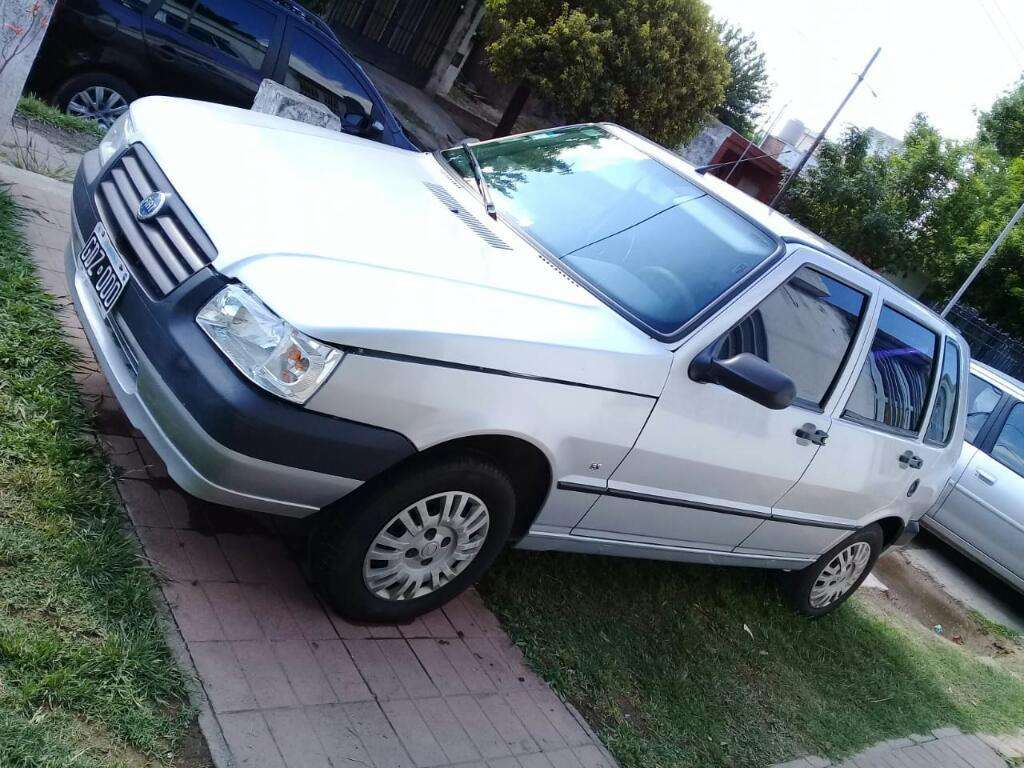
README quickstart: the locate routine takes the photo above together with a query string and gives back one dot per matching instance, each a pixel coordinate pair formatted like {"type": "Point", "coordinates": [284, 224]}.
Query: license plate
{"type": "Point", "coordinates": [103, 268]}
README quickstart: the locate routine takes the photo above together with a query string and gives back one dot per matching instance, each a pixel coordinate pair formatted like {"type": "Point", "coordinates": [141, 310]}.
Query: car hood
{"type": "Point", "coordinates": [367, 246]}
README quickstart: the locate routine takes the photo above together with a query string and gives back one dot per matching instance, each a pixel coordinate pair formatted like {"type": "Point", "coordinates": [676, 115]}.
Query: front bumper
{"type": "Point", "coordinates": [221, 437]}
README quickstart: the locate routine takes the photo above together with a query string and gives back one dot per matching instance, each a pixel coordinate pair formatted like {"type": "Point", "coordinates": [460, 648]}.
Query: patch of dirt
{"type": "Point", "coordinates": [192, 751]}
{"type": "Point", "coordinates": [72, 141]}
{"type": "Point", "coordinates": [916, 599]}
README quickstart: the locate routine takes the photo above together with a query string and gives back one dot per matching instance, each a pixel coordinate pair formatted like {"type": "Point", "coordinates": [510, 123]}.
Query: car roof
{"type": "Point", "coordinates": [307, 16]}
{"type": "Point", "coordinates": [780, 225]}
{"type": "Point", "coordinates": [1014, 386]}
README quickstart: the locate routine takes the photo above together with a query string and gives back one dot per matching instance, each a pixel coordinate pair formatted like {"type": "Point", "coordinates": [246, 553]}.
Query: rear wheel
{"type": "Point", "coordinates": [414, 541]}
{"type": "Point", "coordinates": [824, 586]}
{"type": "Point", "coordinates": [95, 96]}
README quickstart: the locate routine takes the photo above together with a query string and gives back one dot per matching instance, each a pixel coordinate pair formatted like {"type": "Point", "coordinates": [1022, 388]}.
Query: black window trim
{"type": "Point", "coordinates": [695, 322]}
{"type": "Point", "coordinates": [947, 339]}
{"type": "Point", "coordinates": [1005, 408]}
{"type": "Point", "coordinates": [270, 56]}
{"type": "Point", "coordinates": [986, 437]}
{"type": "Point", "coordinates": [867, 423]}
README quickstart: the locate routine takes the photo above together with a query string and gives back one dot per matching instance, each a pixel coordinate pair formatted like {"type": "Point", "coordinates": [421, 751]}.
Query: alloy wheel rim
{"type": "Point", "coordinates": [99, 103]}
{"type": "Point", "coordinates": [426, 545]}
{"type": "Point", "coordinates": [840, 574]}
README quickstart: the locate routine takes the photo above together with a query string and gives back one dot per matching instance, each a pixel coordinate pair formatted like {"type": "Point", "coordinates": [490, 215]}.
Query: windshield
{"type": "Point", "coordinates": [644, 236]}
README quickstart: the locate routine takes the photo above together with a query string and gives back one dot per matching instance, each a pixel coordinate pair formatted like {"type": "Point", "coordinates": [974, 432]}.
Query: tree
{"type": "Point", "coordinates": [655, 66]}
{"type": "Point", "coordinates": [748, 89]}
{"type": "Point", "coordinates": [1003, 125]}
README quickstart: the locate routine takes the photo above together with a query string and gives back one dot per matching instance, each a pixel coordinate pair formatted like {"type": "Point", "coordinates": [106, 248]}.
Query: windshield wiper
{"type": "Point", "coordinates": [481, 182]}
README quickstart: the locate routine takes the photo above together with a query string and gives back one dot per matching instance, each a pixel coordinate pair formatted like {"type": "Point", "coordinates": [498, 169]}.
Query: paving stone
{"type": "Point", "coordinates": [270, 610]}
{"type": "Point", "coordinates": [250, 741]}
{"type": "Point", "coordinates": [374, 668]}
{"type": "Point", "coordinates": [437, 625]}
{"type": "Point", "coordinates": [943, 755]}
{"type": "Point", "coordinates": [539, 760]}
{"type": "Point", "coordinates": [484, 735]}
{"type": "Point", "coordinates": [381, 742]}
{"type": "Point", "coordinates": [974, 751]}
{"type": "Point", "coordinates": [222, 677]}
{"type": "Point", "coordinates": [414, 629]}
{"type": "Point", "coordinates": [459, 614]}
{"type": "Point", "coordinates": [467, 666]}
{"type": "Point", "coordinates": [208, 562]}
{"type": "Point", "coordinates": [561, 718]}
{"type": "Point", "coordinates": [338, 737]}
{"type": "Point", "coordinates": [259, 559]}
{"type": "Point", "coordinates": [340, 671]}
{"type": "Point", "coordinates": [431, 655]}
{"type": "Point", "coordinates": [143, 503]}
{"type": "Point", "coordinates": [345, 629]}
{"type": "Point", "coordinates": [264, 673]}
{"type": "Point", "coordinates": [384, 631]}
{"type": "Point", "coordinates": [940, 733]}
{"type": "Point", "coordinates": [307, 611]}
{"type": "Point", "coordinates": [1002, 745]}
{"type": "Point", "coordinates": [918, 738]}
{"type": "Point", "coordinates": [536, 721]}
{"type": "Point", "coordinates": [165, 550]}
{"type": "Point", "coordinates": [415, 734]}
{"type": "Point", "coordinates": [411, 674]}
{"type": "Point", "coordinates": [175, 508]}
{"type": "Point", "coordinates": [296, 739]}
{"type": "Point", "coordinates": [193, 613]}
{"type": "Point", "coordinates": [303, 672]}
{"type": "Point", "coordinates": [494, 663]}
{"type": "Point", "coordinates": [456, 743]}
{"type": "Point", "coordinates": [232, 610]}
{"type": "Point", "coordinates": [505, 722]}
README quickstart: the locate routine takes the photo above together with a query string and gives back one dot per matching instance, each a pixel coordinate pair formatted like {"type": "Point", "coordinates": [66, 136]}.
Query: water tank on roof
{"type": "Point", "coordinates": [793, 131]}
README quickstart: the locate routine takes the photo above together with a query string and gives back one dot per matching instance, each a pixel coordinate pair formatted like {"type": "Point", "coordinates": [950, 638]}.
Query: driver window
{"type": "Point", "coordinates": [805, 328]}
{"type": "Point", "coordinates": [316, 72]}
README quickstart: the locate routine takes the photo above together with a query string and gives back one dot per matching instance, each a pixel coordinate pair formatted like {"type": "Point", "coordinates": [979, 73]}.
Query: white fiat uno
{"type": "Point", "coordinates": [567, 340]}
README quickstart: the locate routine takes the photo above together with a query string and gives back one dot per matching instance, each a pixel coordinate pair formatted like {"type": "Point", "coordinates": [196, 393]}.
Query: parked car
{"type": "Point", "coordinates": [981, 512]}
{"type": "Point", "coordinates": [614, 355]}
{"type": "Point", "coordinates": [100, 55]}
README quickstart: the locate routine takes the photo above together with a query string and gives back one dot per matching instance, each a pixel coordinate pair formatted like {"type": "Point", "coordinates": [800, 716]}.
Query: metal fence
{"type": "Point", "coordinates": [989, 344]}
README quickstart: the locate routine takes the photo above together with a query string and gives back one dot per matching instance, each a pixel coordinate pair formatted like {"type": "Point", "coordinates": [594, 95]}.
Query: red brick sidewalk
{"type": "Point", "coordinates": [288, 683]}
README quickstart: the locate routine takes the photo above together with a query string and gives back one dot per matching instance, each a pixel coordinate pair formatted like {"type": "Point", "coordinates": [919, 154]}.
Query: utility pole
{"type": "Point", "coordinates": [807, 155]}
{"type": "Point", "coordinates": [984, 260]}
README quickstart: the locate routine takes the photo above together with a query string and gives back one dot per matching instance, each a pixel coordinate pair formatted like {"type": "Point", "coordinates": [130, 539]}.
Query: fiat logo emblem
{"type": "Point", "coordinates": [150, 206]}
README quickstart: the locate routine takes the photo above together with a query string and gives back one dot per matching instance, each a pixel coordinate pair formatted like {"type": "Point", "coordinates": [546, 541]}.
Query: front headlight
{"type": "Point", "coordinates": [116, 138]}
{"type": "Point", "coordinates": [265, 348]}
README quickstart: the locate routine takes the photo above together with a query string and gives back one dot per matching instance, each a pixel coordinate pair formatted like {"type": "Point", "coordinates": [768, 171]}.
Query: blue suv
{"type": "Point", "coordinates": [99, 55]}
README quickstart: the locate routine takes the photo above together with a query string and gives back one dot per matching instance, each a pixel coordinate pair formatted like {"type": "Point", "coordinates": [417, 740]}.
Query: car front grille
{"type": "Point", "coordinates": [163, 251]}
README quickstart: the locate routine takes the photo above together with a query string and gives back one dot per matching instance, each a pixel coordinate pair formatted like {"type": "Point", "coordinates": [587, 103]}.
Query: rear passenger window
{"type": "Point", "coordinates": [940, 427]}
{"type": "Point", "coordinates": [1009, 447]}
{"type": "Point", "coordinates": [982, 399]}
{"type": "Point", "coordinates": [805, 328]}
{"type": "Point", "coordinates": [892, 388]}
{"type": "Point", "coordinates": [317, 72]}
{"type": "Point", "coordinates": [236, 28]}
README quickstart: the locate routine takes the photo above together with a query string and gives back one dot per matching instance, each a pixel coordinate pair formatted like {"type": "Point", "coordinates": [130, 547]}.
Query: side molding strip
{"type": "Point", "coordinates": [672, 502]}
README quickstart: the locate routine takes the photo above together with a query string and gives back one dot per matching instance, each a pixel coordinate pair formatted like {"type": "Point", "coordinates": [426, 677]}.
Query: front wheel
{"type": "Point", "coordinates": [95, 96]}
{"type": "Point", "coordinates": [414, 540]}
{"type": "Point", "coordinates": [824, 586]}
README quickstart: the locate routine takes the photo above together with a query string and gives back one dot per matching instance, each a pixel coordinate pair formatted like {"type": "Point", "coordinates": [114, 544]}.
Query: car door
{"type": "Point", "coordinates": [877, 457]}
{"type": "Point", "coordinates": [213, 50]}
{"type": "Point", "coordinates": [709, 464]}
{"type": "Point", "coordinates": [986, 506]}
{"type": "Point", "coordinates": [313, 68]}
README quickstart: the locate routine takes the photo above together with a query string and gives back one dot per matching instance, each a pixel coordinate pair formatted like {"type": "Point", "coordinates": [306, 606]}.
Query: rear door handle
{"type": "Point", "coordinates": [985, 477]}
{"type": "Point", "coordinates": [909, 461]}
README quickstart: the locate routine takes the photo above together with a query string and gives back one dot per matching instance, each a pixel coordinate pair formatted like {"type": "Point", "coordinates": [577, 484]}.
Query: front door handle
{"type": "Point", "coordinates": [811, 434]}
{"type": "Point", "coordinates": [985, 477]}
{"type": "Point", "coordinates": [909, 461]}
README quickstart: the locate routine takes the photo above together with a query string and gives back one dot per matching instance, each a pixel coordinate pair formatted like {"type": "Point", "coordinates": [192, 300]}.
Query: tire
{"type": "Point", "coordinates": [799, 585]}
{"type": "Point", "coordinates": [360, 586]}
{"type": "Point", "coordinates": [93, 84]}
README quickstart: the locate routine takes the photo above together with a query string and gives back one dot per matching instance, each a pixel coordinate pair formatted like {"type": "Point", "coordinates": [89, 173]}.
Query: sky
{"type": "Point", "coordinates": [946, 58]}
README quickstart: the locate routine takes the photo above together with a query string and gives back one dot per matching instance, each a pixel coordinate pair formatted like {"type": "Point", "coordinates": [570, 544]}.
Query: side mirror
{"type": "Point", "coordinates": [747, 375]}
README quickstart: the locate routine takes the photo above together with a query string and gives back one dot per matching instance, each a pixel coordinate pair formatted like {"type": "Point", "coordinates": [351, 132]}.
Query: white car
{"type": "Point", "coordinates": [618, 355]}
{"type": "Point", "coordinates": [982, 512]}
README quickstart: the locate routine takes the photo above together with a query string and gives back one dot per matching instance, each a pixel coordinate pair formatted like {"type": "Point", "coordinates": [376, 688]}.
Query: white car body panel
{"type": "Point", "coordinates": [455, 330]}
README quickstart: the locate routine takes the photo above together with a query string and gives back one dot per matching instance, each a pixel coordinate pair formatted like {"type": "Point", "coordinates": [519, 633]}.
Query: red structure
{"type": "Point", "coordinates": [759, 175]}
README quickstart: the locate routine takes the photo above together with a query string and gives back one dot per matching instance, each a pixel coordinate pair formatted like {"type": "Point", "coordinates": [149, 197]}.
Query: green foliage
{"type": "Point", "coordinates": [37, 109]}
{"type": "Point", "coordinates": [1003, 125]}
{"type": "Point", "coordinates": [933, 207]}
{"type": "Point", "coordinates": [85, 676]}
{"type": "Point", "coordinates": [685, 665]}
{"type": "Point", "coordinates": [655, 66]}
{"type": "Point", "coordinates": [749, 88]}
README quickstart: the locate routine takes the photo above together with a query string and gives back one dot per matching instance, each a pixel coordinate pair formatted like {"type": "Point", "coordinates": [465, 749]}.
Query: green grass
{"type": "Point", "coordinates": [658, 658]}
{"type": "Point", "coordinates": [997, 629]}
{"type": "Point", "coordinates": [37, 109]}
{"type": "Point", "coordinates": [85, 676]}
